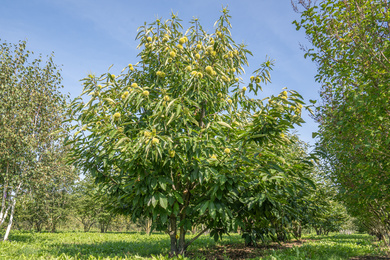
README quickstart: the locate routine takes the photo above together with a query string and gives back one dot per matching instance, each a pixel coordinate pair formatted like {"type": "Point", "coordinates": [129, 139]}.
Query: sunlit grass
{"type": "Point", "coordinates": [331, 248]}
{"type": "Point", "coordinates": [80, 245]}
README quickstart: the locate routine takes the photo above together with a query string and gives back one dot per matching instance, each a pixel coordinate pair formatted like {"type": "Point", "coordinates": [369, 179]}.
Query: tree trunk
{"type": "Point", "coordinates": [104, 227]}
{"type": "Point", "coordinates": [299, 231]}
{"type": "Point", "coordinates": [87, 225]}
{"type": "Point", "coordinates": [193, 230]}
{"type": "Point", "coordinates": [148, 226]}
{"type": "Point", "coordinates": [172, 235]}
{"type": "Point", "coordinates": [181, 247]}
{"type": "Point", "coordinates": [38, 225]}
{"type": "Point", "coordinates": [11, 217]}
{"type": "Point", "coordinates": [385, 241]}
{"type": "Point", "coordinates": [53, 227]}
{"type": "Point", "coordinates": [4, 216]}
{"type": "Point", "coordinates": [4, 198]}
{"type": "Point", "coordinates": [182, 241]}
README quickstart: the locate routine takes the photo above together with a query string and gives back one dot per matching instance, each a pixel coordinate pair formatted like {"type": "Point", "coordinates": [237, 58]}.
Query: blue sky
{"type": "Point", "coordinates": [87, 36]}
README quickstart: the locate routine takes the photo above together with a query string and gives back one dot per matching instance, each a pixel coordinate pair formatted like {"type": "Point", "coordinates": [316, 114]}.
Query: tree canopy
{"type": "Point", "coordinates": [31, 110]}
{"type": "Point", "coordinates": [175, 137]}
{"type": "Point", "coordinates": [350, 45]}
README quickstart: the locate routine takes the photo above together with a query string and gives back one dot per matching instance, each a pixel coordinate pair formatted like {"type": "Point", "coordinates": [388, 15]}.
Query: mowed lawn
{"type": "Point", "coordinates": [80, 245]}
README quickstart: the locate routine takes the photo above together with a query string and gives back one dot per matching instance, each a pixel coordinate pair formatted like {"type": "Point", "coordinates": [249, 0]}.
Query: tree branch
{"type": "Point", "coordinates": [196, 237]}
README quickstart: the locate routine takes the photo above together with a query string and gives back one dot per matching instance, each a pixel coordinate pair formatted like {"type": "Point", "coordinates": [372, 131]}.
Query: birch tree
{"type": "Point", "coordinates": [31, 111]}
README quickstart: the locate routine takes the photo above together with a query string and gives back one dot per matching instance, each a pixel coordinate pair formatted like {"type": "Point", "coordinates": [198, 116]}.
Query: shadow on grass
{"type": "Point", "coordinates": [111, 249]}
{"type": "Point", "coordinates": [145, 247]}
{"type": "Point", "coordinates": [130, 244]}
{"type": "Point", "coordinates": [25, 238]}
{"type": "Point", "coordinates": [335, 247]}
{"type": "Point", "coordinates": [82, 245]}
{"type": "Point", "coordinates": [370, 258]}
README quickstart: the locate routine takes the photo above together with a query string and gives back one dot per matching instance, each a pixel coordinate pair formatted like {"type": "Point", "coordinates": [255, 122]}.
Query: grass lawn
{"type": "Point", "coordinates": [80, 245]}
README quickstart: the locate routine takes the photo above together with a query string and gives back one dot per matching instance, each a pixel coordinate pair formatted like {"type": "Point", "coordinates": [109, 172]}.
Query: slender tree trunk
{"type": "Point", "coordinates": [172, 235]}
{"type": "Point", "coordinates": [38, 226]}
{"type": "Point", "coordinates": [148, 226]}
{"type": "Point", "coordinates": [4, 198]}
{"type": "Point", "coordinates": [11, 217]}
{"type": "Point", "coordinates": [182, 241]}
{"type": "Point", "coordinates": [385, 239]}
{"type": "Point", "coordinates": [3, 217]}
{"type": "Point", "coordinates": [194, 230]}
{"type": "Point", "coordinates": [88, 226]}
{"type": "Point", "coordinates": [53, 227]}
{"type": "Point", "coordinates": [299, 231]}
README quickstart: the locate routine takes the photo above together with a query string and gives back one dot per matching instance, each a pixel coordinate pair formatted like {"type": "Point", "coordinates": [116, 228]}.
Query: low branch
{"type": "Point", "coordinates": [196, 237]}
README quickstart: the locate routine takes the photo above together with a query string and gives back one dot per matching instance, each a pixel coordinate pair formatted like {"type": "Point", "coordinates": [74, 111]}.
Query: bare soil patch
{"type": "Point", "coordinates": [240, 251]}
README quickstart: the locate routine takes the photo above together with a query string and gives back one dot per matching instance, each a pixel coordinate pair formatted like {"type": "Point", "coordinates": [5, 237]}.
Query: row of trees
{"type": "Point", "coordinates": [32, 110]}
{"type": "Point", "coordinates": [350, 42]}
{"type": "Point", "coordinates": [80, 206]}
{"type": "Point", "coordinates": [37, 184]}
{"type": "Point", "coordinates": [69, 205]}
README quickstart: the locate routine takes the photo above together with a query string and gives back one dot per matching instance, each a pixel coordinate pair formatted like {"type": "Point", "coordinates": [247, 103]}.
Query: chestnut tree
{"type": "Point", "coordinates": [175, 136]}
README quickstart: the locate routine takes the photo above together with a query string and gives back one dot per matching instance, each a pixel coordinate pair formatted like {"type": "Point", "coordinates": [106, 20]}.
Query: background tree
{"type": "Point", "coordinates": [91, 206]}
{"type": "Point", "coordinates": [326, 214]}
{"type": "Point", "coordinates": [48, 203]}
{"type": "Point", "coordinates": [175, 136]}
{"type": "Point", "coordinates": [31, 111]}
{"type": "Point", "coordinates": [350, 40]}
{"type": "Point", "coordinates": [85, 207]}
{"type": "Point", "coordinates": [274, 202]}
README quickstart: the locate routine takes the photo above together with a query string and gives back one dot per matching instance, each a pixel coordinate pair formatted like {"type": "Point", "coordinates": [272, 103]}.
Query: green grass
{"type": "Point", "coordinates": [332, 247]}
{"type": "Point", "coordinates": [80, 245]}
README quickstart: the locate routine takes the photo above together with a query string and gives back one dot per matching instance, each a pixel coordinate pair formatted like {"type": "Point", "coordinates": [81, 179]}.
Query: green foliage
{"type": "Point", "coordinates": [175, 138]}
{"type": "Point", "coordinates": [50, 202]}
{"type": "Point", "coordinates": [48, 206]}
{"type": "Point", "coordinates": [31, 111]}
{"type": "Point", "coordinates": [91, 206]}
{"type": "Point", "coordinates": [350, 40]}
{"type": "Point", "coordinates": [330, 217]}
{"type": "Point", "coordinates": [274, 208]}
{"type": "Point", "coordinates": [325, 213]}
